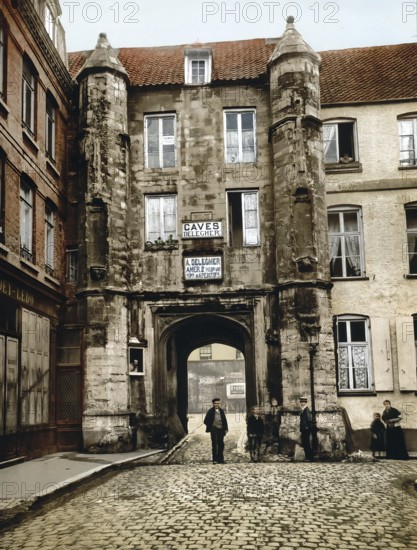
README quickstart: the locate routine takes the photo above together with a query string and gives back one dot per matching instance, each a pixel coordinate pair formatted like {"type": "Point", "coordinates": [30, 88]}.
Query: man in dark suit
{"type": "Point", "coordinates": [216, 423]}
{"type": "Point", "coordinates": [306, 426]}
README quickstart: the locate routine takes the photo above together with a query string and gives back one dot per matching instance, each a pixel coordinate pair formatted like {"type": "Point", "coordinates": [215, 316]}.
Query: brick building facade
{"type": "Point", "coordinates": [210, 194]}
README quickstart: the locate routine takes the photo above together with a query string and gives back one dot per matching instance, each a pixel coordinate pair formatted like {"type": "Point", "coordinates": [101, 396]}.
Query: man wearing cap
{"type": "Point", "coordinates": [216, 423]}
{"type": "Point", "coordinates": [306, 428]}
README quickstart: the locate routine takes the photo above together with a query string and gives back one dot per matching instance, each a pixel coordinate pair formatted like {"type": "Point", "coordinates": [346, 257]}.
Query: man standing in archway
{"type": "Point", "coordinates": [216, 423]}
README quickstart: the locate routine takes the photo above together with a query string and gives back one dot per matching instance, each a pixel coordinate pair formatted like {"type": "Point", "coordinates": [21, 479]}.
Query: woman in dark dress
{"type": "Point", "coordinates": [377, 435]}
{"type": "Point", "coordinates": [395, 443]}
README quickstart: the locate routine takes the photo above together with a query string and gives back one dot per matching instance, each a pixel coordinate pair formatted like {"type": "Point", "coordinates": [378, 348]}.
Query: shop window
{"type": "Point", "coordinates": [49, 239]}
{"type": "Point", "coordinates": [28, 96]}
{"type": "Point", "coordinates": [243, 216]}
{"type": "Point", "coordinates": [160, 141]}
{"type": "Point", "coordinates": [353, 351]}
{"type": "Point", "coordinates": [240, 143]}
{"type": "Point", "coordinates": [50, 126]}
{"type": "Point", "coordinates": [161, 218]}
{"type": "Point", "coordinates": [345, 242]}
{"type": "Point", "coordinates": [26, 221]}
{"type": "Point", "coordinates": [339, 139]}
{"type": "Point", "coordinates": [407, 131]}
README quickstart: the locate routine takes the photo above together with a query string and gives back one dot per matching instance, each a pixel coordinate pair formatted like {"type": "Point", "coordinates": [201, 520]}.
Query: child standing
{"type": "Point", "coordinates": [377, 435]}
{"type": "Point", "coordinates": [255, 431]}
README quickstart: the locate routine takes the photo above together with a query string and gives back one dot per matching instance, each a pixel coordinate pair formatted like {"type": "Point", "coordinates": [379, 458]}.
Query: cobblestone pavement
{"type": "Point", "coordinates": [190, 504]}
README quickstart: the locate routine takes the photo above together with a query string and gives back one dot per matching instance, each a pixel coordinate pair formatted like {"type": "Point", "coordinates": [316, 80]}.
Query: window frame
{"type": "Point", "coordinates": [160, 117]}
{"type": "Point", "coordinates": [50, 126]}
{"type": "Point", "coordinates": [26, 209]}
{"type": "Point", "coordinates": [246, 242]}
{"type": "Point", "coordinates": [412, 118]}
{"type": "Point", "coordinates": [3, 56]}
{"type": "Point", "coordinates": [411, 256]}
{"type": "Point", "coordinates": [50, 213]}
{"type": "Point", "coordinates": [50, 23]}
{"type": "Point", "coordinates": [71, 271]}
{"type": "Point", "coordinates": [200, 55]}
{"type": "Point", "coordinates": [29, 88]}
{"type": "Point", "coordinates": [2, 196]}
{"type": "Point", "coordinates": [336, 122]}
{"type": "Point", "coordinates": [206, 353]}
{"type": "Point", "coordinates": [239, 112]}
{"type": "Point", "coordinates": [341, 210]}
{"type": "Point", "coordinates": [350, 344]}
{"type": "Point", "coordinates": [164, 235]}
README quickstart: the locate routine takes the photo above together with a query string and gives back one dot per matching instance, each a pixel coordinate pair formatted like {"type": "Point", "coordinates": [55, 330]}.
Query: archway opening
{"type": "Point", "coordinates": [216, 370]}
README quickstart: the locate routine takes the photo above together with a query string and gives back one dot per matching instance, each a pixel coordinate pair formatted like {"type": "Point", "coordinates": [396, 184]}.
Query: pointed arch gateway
{"type": "Point", "coordinates": [179, 335]}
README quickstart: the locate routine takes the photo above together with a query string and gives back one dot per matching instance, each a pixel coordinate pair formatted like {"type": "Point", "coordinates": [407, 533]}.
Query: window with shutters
{"type": "Point", "coordinates": [340, 144]}
{"type": "Point", "coordinates": [50, 127]}
{"type": "Point", "coordinates": [353, 353]}
{"type": "Point", "coordinates": [407, 131]}
{"type": "Point", "coordinates": [240, 136]}
{"type": "Point", "coordinates": [161, 218]}
{"type": "Point", "coordinates": [243, 217]}
{"type": "Point", "coordinates": [160, 150]}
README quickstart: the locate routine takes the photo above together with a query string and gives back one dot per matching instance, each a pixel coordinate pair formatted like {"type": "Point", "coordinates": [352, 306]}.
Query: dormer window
{"type": "Point", "coordinates": [197, 65]}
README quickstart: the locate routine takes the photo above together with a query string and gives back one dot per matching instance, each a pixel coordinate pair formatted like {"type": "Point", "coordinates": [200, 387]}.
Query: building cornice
{"type": "Point", "coordinates": [43, 41]}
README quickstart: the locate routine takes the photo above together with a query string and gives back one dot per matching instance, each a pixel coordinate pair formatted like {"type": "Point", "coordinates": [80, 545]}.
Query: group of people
{"type": "Point", "coordinates": [216, 423]}
{"type": "Point", "coordinates": [386, 434]}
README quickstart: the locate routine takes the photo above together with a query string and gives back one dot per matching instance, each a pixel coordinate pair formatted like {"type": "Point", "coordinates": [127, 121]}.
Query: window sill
{"type": "Point", "coordinates": [341, 168]}
{"type": "Point", "coordinates": [411, 276]}
{"type": "Point", "coordinates": [170, 170]}
{"type": "Point", "coordinates": [351, 278]}
{"type": "Point", "coordinates": [50, 164]}
{"type": "Point", "coordinates": [408, 167]}
{"type": "Point", "coordinates": [356, 393]}
{"type": "Point", "coordinates": [3, 249]}
{"type": "Point", "coordinates": [136, 374]}
{"type": "Point", "coordinates": [30, 140]}
{"type": "Point", "coordinates": [157, 247]}
{"type": "Point", "coordinates": [52, 280]}
{"type": "Point", "coordinates": [4, 110]}
{"type": "Point", "coordinates": [29, 265]}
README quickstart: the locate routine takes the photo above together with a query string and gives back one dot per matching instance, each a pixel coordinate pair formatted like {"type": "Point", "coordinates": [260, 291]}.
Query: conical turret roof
{"type": "Point", "coordinates": [292, 43]}
{"type": "Point", "coordinates": [103, 58]}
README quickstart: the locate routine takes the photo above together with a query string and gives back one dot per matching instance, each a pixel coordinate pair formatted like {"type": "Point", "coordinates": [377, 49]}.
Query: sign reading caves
{"type": "Point", "coordinates": [201, 230]}
{"type": "Point", "coordinates": [203, 267]}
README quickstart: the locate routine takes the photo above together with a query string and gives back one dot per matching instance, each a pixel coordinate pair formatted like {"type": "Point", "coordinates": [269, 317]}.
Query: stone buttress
{"type": "Point", "coordinates": [104, 149]}
{"type": "Point", "coordinates": [303, 277]}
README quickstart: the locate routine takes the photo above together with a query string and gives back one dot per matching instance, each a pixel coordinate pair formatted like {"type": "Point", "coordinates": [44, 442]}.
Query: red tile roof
{"type": "Point", "coordinates": [352, 75]}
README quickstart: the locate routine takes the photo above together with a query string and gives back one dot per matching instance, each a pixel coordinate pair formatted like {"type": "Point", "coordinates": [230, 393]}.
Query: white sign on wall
{"type": "Point", "coordinates": [203, 267]}
{"type": "Point", "coordinates": [201, 230]}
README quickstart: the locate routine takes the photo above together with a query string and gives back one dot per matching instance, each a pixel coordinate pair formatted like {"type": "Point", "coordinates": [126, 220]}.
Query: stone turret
{"type": "Point", "coordinates": [104, 244]}
{"type": "Point", "coordinates": [303, 277]}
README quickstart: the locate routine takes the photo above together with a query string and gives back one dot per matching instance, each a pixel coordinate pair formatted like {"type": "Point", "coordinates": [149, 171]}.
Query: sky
{"type": "Point", "coordinates": [324, 25]}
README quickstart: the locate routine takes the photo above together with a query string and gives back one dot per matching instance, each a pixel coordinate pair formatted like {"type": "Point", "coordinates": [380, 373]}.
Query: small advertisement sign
{"type": "Point", "coordinates": [203, 267]}
{"type": "Point", "coordinates": [201, 230]}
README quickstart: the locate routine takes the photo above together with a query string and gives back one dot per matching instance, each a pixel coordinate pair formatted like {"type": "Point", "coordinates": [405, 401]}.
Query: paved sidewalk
{"type": "Point", "coordinates": [24, 485]}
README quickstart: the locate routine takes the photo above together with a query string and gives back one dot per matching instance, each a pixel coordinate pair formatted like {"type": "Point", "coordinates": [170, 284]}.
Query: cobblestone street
{"type": "Point", "coordinates": [186, 503]}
